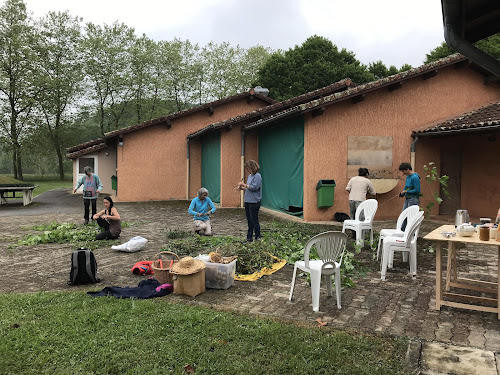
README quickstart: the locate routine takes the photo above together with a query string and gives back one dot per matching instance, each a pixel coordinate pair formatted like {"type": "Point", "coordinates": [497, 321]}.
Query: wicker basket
{"type": "Point", "coordinates": [161, 266]}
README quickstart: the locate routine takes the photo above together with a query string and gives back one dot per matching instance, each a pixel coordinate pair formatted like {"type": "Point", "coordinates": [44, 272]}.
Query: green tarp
{"type": "Point", "coordinates": [281, 160]}
{"type": "Point", "coordinates": [210, 165]}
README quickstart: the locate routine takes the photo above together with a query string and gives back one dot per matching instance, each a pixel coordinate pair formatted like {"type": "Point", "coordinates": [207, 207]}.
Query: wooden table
{"type": "Point", "coordinates": [26, 190]}
{"type": "Point", "coordinates": [452, 279]}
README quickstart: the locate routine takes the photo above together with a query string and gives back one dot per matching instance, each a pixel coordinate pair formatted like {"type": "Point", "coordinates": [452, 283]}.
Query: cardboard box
{"type": "Point", "coordinates": [190, 285]}
{"type": "Point", "coordinates": [219, 276]}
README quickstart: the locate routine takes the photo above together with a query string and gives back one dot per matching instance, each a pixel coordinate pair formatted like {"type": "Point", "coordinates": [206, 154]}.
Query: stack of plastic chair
{"type": "Point", "coordinates": [330, 247]}
{"type": "Point", "coordinates": [407, 214]}
{"type": "Point", "coordinates": [407, 243]}
{"type": "Point", "coordinates": [370, 208]}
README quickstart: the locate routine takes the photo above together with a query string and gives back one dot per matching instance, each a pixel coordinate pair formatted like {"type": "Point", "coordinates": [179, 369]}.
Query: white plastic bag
{"type": "Point", "coordinates": [132, 245]}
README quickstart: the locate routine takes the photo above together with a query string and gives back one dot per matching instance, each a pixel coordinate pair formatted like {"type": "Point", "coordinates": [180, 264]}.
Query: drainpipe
{"type": "Point", "coordinates": [412, 153]}
{"type": "Point", "coordinates": [242, 164]}
{"type": "Point", "coordinates": [452, 35]}
{"type": "Point", "coordinates": [187, 170]}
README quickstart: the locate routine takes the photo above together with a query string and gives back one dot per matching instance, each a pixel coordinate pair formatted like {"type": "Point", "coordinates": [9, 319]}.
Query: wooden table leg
{"type": "Point", "coordinates": [451, 265]}
{"type": "Point", "coordinates": [498, 286]}
{"type": "Point", "coordinates": [439, 290]}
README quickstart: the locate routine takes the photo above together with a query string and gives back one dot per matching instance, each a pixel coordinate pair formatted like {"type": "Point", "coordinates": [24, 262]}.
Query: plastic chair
{"type": "Point", "coordinates": [407, 243]}
{"type": "Point", "coordinates": [370, 208]}
{"type": "Point", "coordinates": [330, 246]}
{"type": "Point", "coordinates": [408, 214]}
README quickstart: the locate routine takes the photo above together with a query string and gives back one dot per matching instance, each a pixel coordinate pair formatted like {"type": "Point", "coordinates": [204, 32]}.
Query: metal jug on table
{"type": "Point", "coordinates": [461, 217]}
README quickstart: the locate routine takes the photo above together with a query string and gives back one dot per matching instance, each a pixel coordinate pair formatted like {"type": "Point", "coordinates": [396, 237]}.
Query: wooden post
{"type": "Point", "coordinates": [439, 287]}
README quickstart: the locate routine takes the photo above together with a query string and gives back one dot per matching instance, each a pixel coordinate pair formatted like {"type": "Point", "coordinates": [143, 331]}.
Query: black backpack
{"type": "Point", "coordinates": [340, 217]}
{"type": "Point", "coordinates": [83, 267]}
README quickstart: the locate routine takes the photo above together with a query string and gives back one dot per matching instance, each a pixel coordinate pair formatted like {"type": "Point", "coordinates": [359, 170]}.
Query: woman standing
{"type": "Point", "coordinates": [253, 196]}
{"type": "Point", "coordinates": [109, 221]}
{"type": "Point", "coordinates": [201, 207]}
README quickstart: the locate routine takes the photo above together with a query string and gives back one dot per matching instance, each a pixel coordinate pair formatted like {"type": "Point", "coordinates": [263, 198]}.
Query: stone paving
{"type": "Point", "coordinates": [398, 306]}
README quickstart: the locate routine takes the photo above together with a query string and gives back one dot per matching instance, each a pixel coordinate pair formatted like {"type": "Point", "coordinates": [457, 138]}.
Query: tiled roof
{"type": "Point", "coordinates": [279, 107]}
{"type": "Point", "coordinates": [189, 111]}
{"type": "Point", "coordinates": [481, 118]}
{"type": "Point", "coordinates": [365, 88]}
{"type": "Point", "coordinates": [85, 145]}
{"type": "Point", "coordinates": [86, 150]}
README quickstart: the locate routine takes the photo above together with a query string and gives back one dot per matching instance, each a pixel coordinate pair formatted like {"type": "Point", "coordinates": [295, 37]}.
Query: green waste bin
{"type": "Point", "coordinates": [325, 190]}
{"type": "Point", "coordinates": [114, 182]}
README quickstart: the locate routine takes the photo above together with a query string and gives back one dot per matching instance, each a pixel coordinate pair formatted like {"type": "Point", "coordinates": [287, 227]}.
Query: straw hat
{"type": "Point", "coordinates": [187, 266]}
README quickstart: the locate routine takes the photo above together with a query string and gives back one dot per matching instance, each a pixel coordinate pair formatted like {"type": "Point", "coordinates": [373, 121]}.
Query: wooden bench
{"type": "Point", "coordinates": [26, 190]}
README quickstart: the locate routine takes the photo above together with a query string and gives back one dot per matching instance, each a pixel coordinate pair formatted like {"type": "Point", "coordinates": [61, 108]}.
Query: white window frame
{"type": "Point", "coordinates": [95, 170]}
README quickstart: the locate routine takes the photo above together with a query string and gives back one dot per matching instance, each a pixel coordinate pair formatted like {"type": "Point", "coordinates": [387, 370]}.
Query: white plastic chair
{"type": "Point", "coordinates": [330, 247]}
{"type": "Point", "coordinates": [407, 214]}
{"type": "Point", "coordinates": [370, 208]}
{"type": "Point", "coordinates": [407, 243]}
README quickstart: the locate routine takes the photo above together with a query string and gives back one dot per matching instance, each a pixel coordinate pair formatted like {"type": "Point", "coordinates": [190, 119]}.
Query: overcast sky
{"type": "Point", "coordinates": [394, 31]}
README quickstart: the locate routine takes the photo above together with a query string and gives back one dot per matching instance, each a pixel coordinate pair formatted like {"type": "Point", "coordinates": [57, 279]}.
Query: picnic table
{"type": "Point", "coordinates": [453, 279]}
{"type": "Point", "coordinates": [27, 191]}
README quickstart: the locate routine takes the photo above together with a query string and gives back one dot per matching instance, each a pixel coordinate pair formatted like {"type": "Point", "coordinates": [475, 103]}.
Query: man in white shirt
{"type": "Point", "coordinates": [358, 187]}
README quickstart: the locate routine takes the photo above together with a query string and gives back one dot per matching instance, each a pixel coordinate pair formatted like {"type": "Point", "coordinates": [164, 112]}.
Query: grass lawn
{"type": "Point", "coordinates": [44, 184]}
{"type": "Point", "coordinates": [72, 333]}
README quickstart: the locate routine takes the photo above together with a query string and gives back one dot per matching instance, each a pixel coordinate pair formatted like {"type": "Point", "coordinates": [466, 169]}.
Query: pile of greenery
{"type": "Point", "coordinates": [284, 240]}
{"type": "Point", "coordinates": [79, 235]}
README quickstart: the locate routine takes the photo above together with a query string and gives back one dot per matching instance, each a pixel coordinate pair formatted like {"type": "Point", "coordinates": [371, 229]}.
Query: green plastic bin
{"type": "Point", "coordinates": [114, 182]}
{"type": "Point", "coordinates": [325, 190]}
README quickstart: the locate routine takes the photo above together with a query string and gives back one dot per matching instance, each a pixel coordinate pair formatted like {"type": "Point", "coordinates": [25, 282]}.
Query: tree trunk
{"type": "Point", "coordinates": [17, 150]}
{"type": "Point", "coordinates": [61, 166]}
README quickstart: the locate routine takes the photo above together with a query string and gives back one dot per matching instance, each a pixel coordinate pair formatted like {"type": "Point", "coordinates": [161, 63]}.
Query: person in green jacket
{"type": "Point", "coordinates": [92, 186]}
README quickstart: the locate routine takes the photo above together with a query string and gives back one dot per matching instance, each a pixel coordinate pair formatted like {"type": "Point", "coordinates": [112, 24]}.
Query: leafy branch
{"type": "Point", "coordinates": [432, 175]}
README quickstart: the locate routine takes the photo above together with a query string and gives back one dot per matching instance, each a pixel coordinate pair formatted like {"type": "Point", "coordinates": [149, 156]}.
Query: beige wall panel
{"type": "Point", "coordinates": [195, 167]}
{"type": "Point", "coordinates": [230, 166]}
{"type": "Point", "coordinates": [392, 114]}
{"type": "Point", "coordinates": [152, 161]}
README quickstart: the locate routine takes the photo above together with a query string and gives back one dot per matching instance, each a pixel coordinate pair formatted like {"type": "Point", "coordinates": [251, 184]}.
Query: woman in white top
{"type": "Point", "coordinates": [358, 187]}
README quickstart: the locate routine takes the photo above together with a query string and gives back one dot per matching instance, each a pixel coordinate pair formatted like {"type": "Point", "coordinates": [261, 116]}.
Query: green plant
{"type": "Point", "coordinates": [432, 175]}
{"type": "Point", "coordinates": [79, 235]}
{"type": "Point", "coordinates": [177, 233]}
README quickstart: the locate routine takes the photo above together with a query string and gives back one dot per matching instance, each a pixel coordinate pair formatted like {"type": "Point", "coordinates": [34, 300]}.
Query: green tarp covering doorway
{"type": "Point", "coordinates": [281, 159]}
{"type": "Point", "coordinates": [210, 165]}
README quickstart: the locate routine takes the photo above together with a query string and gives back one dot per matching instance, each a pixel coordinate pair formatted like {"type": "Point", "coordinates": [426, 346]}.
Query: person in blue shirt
{"type": "Point", "coordinates": [411, 190]}
{"type": "Point", "coordinates": [201, 208]}
{"type": "Point", "coordinates": [253, 196]}
{"type": "Point", "coordinates": [92, 186]}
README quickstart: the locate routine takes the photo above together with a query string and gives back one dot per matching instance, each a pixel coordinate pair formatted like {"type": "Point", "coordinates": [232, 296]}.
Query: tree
{"type": "Point", "coordinates": [439, 52]}
{"type": "Point", "coordinates": [379, 70]}
{"type": "Point", "coordinates": [18, 87]}
{"type": "Point", "coordinates": [61, 65]}
{"type": "Point", "coordinates": [314, 64]}
{"type": "Point", "coordinates": [107, 67]}
{"type": "Point", "coordinates": [490, 45]}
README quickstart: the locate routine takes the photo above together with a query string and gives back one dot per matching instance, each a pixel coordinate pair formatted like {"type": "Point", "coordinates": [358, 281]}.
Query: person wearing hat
{"type": "Point", "coordinates": [92, 186]}
{"type": "Point", "coordinates": [201, 208]}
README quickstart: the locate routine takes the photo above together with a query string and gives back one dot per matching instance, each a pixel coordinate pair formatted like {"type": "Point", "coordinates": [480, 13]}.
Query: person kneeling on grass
{"type": "Point", "coordinates": [109, 221]}
{"type": "Point", "coordinates": [199, 208]}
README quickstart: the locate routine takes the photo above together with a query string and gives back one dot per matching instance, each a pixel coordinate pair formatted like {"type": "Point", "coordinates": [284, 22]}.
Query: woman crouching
{"type": "Point", "coordinates": [201, 207]}
{"type": "Point", "coordinates": [109, 221]}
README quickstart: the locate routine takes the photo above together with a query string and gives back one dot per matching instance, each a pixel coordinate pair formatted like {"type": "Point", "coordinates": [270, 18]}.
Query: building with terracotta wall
{"type": "Point", "coordinates": [386, 112]}
{"type": "Point", "coordinates": [150, 159]}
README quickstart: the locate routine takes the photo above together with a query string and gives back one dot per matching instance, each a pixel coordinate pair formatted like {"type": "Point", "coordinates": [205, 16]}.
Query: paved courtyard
{"type": "Point", "coordinates": [399, 306]}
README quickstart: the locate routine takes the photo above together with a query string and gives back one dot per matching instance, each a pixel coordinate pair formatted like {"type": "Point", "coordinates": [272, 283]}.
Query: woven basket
{"type": "Point", "coordinates": [161, 266]}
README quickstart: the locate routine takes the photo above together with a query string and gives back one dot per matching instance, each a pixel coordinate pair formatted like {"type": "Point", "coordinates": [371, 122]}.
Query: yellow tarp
{"type": "Point", "coordinates": [264, 271]}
